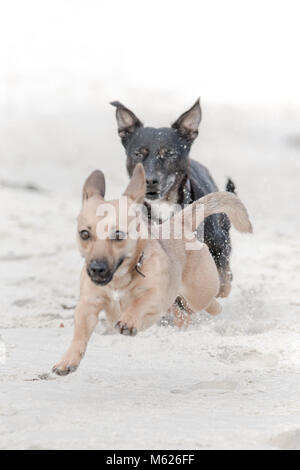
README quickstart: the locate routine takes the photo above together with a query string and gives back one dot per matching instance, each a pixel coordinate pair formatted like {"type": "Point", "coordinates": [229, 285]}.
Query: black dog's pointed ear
{"type": "Point", "coordinates": [187, 124]}
{"type": "Point", "coordinates": [94, 185]}
{"type": "Point", "coordinates": [126, 119]}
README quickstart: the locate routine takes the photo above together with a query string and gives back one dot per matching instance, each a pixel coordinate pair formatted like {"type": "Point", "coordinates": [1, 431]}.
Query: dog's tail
{"type": "Point", "coordinates": [215, 203]}
{"type": "Point", "coordinates": [230, 186]}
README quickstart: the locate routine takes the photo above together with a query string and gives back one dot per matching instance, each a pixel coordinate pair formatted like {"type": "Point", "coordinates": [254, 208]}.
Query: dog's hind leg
{"type": "Point", "coordinates": [214, 307]}
{"type": "Point", "coordinates": [225, 281]}
{"type": "Point", "coordinates": [200, 279]}
{"type": "Point", "coordinates": [218, 240]}
{"type": "Point", "coordinates": [181, 312]}
{"type": "Point", "coordinates": [222, 260]}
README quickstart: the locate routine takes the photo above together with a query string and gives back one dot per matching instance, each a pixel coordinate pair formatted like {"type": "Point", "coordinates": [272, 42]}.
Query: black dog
{"type": "Point", "coordinates": [173, 178]}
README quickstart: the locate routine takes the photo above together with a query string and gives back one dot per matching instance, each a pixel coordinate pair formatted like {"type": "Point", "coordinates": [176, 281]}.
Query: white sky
{"type": "Point", "coordinates": [236, 52]}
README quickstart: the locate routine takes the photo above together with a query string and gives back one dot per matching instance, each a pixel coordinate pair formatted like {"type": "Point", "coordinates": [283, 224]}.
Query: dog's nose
{"type": "Point", "coordinates": [98, 268]}
{"type": "Point", "coordinates": [152, 182]}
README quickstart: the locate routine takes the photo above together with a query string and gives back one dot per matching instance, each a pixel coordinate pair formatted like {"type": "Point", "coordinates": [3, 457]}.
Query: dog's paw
{"type": "Point", "coordinates": [224, 289]}
{"type": "Point", "coordinates": [124, 329]}
{"type": "Point", "coordinates": [63, 370]}
{"type": "Point", "coordinates": [68, 364]}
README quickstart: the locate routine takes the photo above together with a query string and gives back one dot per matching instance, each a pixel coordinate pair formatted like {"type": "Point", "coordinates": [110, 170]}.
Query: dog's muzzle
{"type": "Point", "coordinates": [100, 272]}
{"type": "Point", "coordinates": [152, 190]}
{"type": "Point", "coordinates": [152, 195]}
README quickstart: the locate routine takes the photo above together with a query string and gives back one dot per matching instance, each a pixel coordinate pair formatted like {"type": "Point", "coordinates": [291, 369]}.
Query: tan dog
{"type": "Point", "coordinates": [136, 279]}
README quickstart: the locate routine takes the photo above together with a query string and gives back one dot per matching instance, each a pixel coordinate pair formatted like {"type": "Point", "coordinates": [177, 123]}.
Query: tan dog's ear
{"type": "Point", "coordinates": [94, 185]}
{"type": "Point", "coordinates": [137, 185]}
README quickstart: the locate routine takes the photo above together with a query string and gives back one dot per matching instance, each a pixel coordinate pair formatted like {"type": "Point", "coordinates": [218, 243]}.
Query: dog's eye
{"type": "Point", "coordinates": [138, 155]}
{"type": "Point", "coordinates": [165, 153]}
{"type": "Point", "coordinates": [84, 234]}
{"type": "Point", "coordinates": [141, 153]}
{"type": "Point", "coordinates": [118, 235]}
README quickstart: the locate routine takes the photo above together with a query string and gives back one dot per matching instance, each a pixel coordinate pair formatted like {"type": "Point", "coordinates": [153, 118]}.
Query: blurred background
{"type": "Point", "coordinates": [63, 61]}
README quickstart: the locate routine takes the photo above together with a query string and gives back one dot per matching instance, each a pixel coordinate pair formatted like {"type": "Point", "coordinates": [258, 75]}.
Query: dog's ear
{"type": "Point", "coordinates": [137, 186]}
{"type": "Point", "coordinates": [94, 185]}
{"type": "Point", "coordinates": [126, 119]}
{"type": "Point", "coordinates": [187, 124]}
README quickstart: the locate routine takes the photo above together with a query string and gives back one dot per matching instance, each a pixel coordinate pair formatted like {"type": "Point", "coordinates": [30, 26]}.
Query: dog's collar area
{"type": "Point", "coordinates": [150, 215]}
{"type": "Point", "coordinates": [187, 192]}
{"type": "Point", "coordinates": [139, 264]}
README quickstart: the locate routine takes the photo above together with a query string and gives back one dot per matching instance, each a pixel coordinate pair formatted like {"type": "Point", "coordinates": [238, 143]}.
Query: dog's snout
{"type": "Point", "coordinates": [153, 187]}
{"type": "Point", "coordinates": [99, 271]}
{"type": "Point", "coordinates": [152, 182]}
{"type": "Point", "coordinates": [98, 268]}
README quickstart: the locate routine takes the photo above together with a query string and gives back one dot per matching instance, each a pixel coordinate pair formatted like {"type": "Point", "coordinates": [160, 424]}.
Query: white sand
{"type": "Point", "coordinates": [226, 382]}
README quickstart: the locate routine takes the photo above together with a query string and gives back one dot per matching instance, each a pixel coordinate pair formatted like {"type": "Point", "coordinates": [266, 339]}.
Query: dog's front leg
{"type": "Point", "coordinates": [141, 314]}
{"type": "Point", "coordinates": [86, 318]}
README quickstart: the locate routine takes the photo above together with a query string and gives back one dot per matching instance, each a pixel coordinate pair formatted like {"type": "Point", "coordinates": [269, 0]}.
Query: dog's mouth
{"type": "Point", "coordinates": [101, 281]}
{"type": "Point", "coordinates": [152, 195]}
{"type": "Point", "coordinates": [160, 191]}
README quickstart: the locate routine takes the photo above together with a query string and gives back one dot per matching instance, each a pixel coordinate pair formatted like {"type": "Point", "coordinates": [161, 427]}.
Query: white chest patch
{"type": "Point", "coordinates": [117, 294]}
{"type": "Point", "coordinates": [163, 210]}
